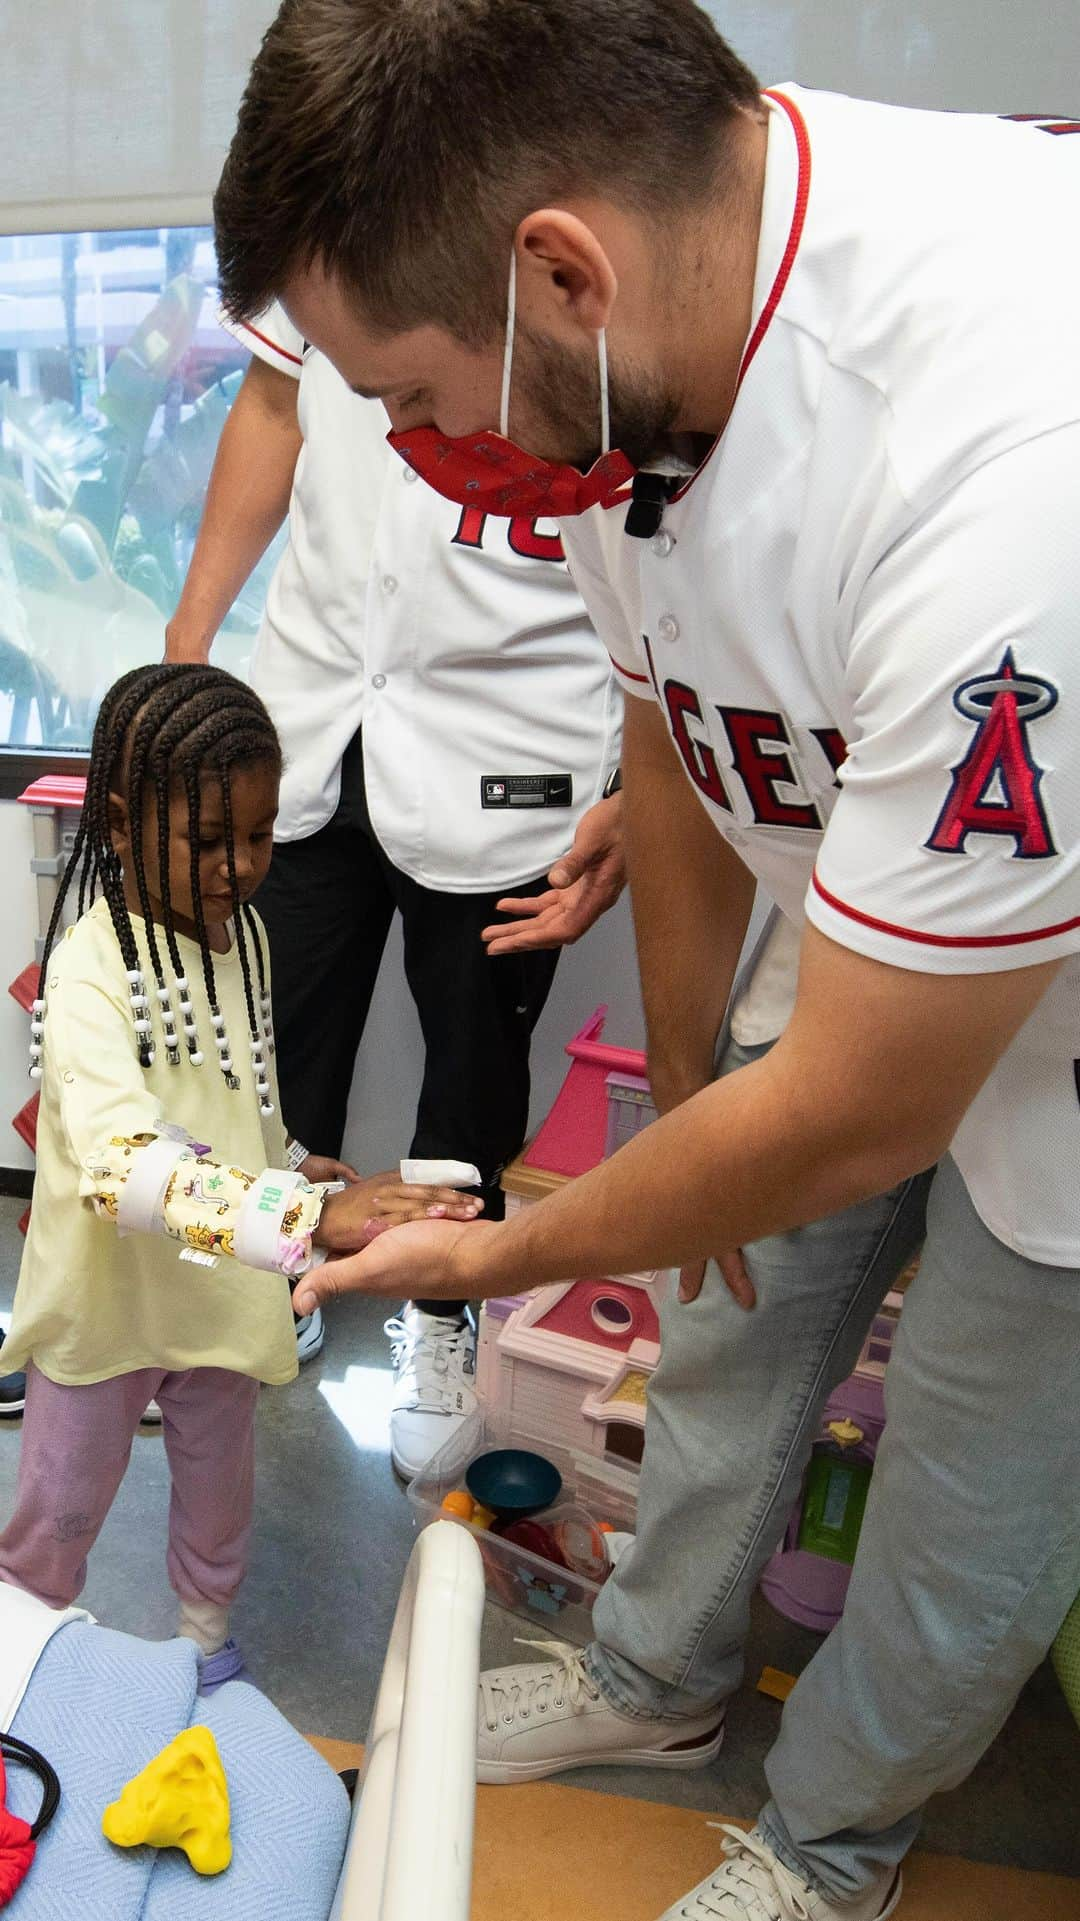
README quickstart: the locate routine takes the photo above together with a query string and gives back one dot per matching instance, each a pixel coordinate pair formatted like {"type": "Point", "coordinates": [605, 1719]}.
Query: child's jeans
{"type": "Point", "coordinates": [76, 1443]}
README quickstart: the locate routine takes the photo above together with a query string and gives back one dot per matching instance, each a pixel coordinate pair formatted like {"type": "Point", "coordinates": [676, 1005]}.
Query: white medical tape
{"type": "Point", "coordinates": [141, 1202]}
{"type": "Point", "coordinates": [440, 1174]}
{"type": "Point", "coordinates": [262, 1210]}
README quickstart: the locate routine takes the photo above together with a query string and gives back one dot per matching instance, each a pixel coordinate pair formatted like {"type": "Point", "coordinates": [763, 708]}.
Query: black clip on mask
{"type": "Point", "coordinates": [651, 493]}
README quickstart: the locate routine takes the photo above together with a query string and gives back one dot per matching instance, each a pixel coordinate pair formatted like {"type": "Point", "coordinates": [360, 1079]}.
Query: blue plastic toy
{"type": "Point", "coordinates": [513, 1482]}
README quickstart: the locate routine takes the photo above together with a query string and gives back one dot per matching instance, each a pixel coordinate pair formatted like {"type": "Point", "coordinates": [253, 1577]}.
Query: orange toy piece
{"type": "Point", "coordinates": [180, 1800]}
{"type": "Point", "coordinates": [460, 1504]}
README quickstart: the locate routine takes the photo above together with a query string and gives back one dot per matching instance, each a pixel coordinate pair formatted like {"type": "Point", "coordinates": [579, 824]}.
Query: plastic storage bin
{"type": "Point", "coordinates": [555, 1600]}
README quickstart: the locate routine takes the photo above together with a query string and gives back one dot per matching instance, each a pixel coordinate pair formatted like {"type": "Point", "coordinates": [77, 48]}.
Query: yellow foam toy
{"type": "Point", "coordinates": [180, 1800]}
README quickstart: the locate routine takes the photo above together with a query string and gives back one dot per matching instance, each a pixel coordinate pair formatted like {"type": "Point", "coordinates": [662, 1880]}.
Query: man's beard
{"type": "Point", "coordinates": [562, 390]}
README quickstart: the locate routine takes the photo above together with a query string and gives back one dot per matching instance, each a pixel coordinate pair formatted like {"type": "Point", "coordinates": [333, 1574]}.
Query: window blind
{"type": "Point", "coordinates": [118, 113]}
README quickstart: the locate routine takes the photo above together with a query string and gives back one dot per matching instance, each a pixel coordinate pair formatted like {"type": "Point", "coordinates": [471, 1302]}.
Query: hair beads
{"type": "Point", "coordinates": [157, 728]}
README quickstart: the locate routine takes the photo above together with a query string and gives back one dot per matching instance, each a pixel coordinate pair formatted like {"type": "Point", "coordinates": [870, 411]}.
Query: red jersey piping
{"type": "Point", "coordinates": [625, 671]}
{"type": "Point", "coordinates": [941, 940]}
{"type": "Point", "coordinates": [267, 342]}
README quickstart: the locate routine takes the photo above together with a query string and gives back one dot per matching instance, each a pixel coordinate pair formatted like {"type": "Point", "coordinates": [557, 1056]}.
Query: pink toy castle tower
{"type": "Point", "coordinates": [565, 1368]}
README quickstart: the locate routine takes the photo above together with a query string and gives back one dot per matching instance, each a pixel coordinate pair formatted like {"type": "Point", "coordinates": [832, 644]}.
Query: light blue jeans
{"type": "Point", "coordinates": [970, 1551]}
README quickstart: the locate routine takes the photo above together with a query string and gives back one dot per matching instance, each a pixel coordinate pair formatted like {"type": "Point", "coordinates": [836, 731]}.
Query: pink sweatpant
{"type": "Point", "coordinates": [76, 1443]}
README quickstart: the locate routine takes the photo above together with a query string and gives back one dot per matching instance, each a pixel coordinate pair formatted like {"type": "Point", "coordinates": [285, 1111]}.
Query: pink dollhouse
{"type": "Point", "coordinates": [565, 1368]}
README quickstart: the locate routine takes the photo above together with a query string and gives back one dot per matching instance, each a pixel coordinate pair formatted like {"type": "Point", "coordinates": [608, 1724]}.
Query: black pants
{"type": "Point", "coordinates": [328, 902]}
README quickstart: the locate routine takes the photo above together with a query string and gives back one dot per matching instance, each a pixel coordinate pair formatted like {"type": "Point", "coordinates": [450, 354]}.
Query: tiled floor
{"type": "Point", "coordinates": [334, 1533]}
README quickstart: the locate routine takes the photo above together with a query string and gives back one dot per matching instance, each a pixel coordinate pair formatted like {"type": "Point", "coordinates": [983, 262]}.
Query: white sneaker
{"type": "Point", "coordinates": [547, 1716]}
{"type": "Point", "coordinates": [434, 1368]}
{"type": "Point", "coordinates": [754, 1885]}
{"type": "Point", "coordinates": [151, 1415]}
{"type": "Point", "coordinates": [310, 1334]}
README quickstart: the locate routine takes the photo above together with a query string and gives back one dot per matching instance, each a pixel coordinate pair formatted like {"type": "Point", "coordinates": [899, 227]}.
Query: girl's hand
{"type": "Point", "coordinates": [384, 1200]}
{"type": "Point", "coordinates": [319, 1167]}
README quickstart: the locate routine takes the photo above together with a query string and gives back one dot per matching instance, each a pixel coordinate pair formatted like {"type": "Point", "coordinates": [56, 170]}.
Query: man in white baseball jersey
{"type": "Point", "coordinates": [448, 718]}
{"type": "Point", "coordinates": [807, 369]}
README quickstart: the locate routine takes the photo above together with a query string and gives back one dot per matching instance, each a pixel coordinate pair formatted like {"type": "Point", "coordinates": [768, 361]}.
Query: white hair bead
{"type": "Point", "coordinates": [37, 1007]}
{"type": "Point", "coordinates": [266, 1108]}
{"type": "Point", "coordinates": [142, 1027]}
{"type": "Point", "coordinates": [37, 1029]}
{"type": "Point", "coordinates": [190, 1030]}
{"type": "Point", "coordinates": [196, 1058]}
{"type": "Point", "coordinates": [182, 983]}
{"type": "Point", "coordinates": [163, 995]}
{"type": "Point", "coordinates": [134, 975]}
{"type": "Point", "coordinates": [35, 1072]}
{"type": "Point", "coordinates": [185, 1004]}
{"type": "Point", "coordinates": [225, 1064]}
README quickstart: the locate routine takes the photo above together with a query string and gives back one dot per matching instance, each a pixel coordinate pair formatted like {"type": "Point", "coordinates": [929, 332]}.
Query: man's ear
{"type": "Point", "coordinates": [563, 266]}
{"type": "Point", "coordinates": [119, 825]}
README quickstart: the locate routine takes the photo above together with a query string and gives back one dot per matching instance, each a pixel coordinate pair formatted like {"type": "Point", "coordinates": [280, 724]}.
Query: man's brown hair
{"type": "Point", "coordinates": [401, 142]}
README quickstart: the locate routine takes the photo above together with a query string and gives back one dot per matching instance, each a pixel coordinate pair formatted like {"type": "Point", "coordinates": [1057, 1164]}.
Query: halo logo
{"type": "Point", "coordinates": [996, 787]}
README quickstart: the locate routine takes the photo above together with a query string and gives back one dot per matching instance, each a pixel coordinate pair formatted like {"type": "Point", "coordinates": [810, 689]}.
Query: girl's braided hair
{"type": "Point", "coordinates": [157, 728]}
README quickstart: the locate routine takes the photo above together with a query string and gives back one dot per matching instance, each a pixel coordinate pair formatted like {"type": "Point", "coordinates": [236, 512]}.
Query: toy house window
{"type": "Point", "coordinates": [611, 1314]}
{"type": "Point", "coordinates": [625, 1442]}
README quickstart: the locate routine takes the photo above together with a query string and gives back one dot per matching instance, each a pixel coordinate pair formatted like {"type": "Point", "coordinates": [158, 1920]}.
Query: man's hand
{"type": "Point", "coordinates": [733, 1268]}
{"type": "Point", "coordinates": [584, 884]}
{"type": "Point", "coordinates": [378, 1201]}
{"type": "Point", "coordinates": [419, 1262]}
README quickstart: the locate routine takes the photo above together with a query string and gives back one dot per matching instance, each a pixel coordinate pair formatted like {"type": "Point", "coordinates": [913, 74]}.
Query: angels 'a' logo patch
{"type": "Point", "coordinates": [996, 788]}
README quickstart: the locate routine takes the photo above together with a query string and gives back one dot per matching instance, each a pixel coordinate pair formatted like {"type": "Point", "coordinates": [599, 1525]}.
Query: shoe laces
{"type": "Point", "coordinates": [752, 1885]}
{"type": "Point", "coordinates": [516, 1694]}
{"type": "Point", "coordinates": [428, 1365]}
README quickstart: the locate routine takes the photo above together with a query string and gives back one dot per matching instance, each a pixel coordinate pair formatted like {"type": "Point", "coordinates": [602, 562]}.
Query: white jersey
{"type": "Point", "coordinates": [490, 713]}
{"type": "Point", "coordinates": [861, 617]}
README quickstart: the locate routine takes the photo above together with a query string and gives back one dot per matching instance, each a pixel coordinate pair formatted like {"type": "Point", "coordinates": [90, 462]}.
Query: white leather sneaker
{"type": "Point", "coordinates": [752, 1884]}
{"type": "Point", "coordinates": [434, 1368]}
{"type": "Point", "coordinates": [546, 1716]}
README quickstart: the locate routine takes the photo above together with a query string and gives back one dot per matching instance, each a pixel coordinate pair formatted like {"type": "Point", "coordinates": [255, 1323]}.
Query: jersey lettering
{"type": "Point", "coordinates": [698, 757]}
{"type": "Point", "coordinates": [526, 540]}
{"type": "Point", "coordinates": [470, 528]}
{"type": "Point", "coordinates": [757, 743]}
{"type": "Point", "coordinates": [1046, 122]}
{"type": "Point", "coordinates": [996, 787]}
{"type": "Point", "coordinates": [833, 746]}
{"type": "Point", "coordinates": [522, 536]}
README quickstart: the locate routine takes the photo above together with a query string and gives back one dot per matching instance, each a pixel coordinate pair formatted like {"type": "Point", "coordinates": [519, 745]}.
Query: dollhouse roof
{"type": "Point", "coordinates": [573, 1137]}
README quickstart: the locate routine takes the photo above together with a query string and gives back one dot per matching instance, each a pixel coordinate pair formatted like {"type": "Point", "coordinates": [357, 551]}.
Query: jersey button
{"type": "Point", "coordinates": [662, 543]}
{"type": "Point", "coordinates": [667, 627]}
{"type": "Point", "coordinates": [378, 680]}
{"type": "Point", "coordinates": [389, 584]}
{"type": "Point", "coordinates": [410, 474]}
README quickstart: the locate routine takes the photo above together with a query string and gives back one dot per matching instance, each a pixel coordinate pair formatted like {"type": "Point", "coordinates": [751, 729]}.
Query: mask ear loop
{"type": "Point", "coordinates": [605, 415]}
{"type": "Point", "coordinates": [508, 353]}
{"type": "Point", "coordinates": [508, 363]}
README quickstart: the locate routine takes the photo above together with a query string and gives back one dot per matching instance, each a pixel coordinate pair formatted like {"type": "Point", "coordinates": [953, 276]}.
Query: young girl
{"type": "Point", "coordinates": [168, 1209]}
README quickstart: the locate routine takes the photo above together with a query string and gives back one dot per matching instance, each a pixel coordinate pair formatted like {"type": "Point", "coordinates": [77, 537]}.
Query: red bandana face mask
{"type": "Point", "coordinates": [487, 470]}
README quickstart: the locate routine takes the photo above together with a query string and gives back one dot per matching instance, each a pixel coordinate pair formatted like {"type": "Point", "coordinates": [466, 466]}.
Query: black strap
{"type": "Point", "coordinates": [650, 495]}
{"type": "Point", "coordinates": [13, 1750]}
